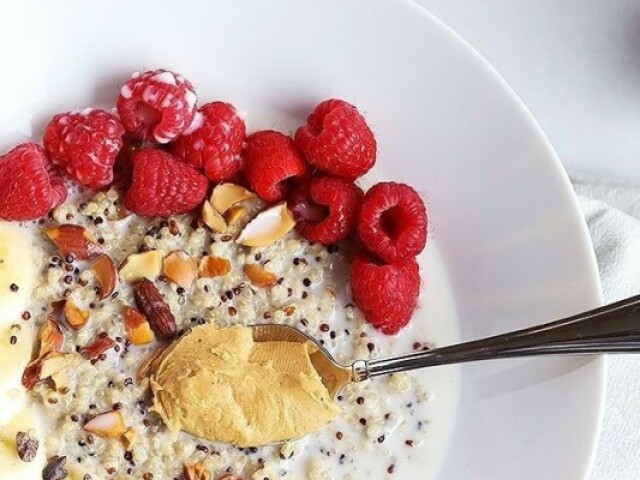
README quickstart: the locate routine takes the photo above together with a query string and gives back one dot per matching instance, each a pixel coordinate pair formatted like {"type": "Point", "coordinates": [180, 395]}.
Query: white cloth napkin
{"type": "Point", "coordinates": [612, 212]}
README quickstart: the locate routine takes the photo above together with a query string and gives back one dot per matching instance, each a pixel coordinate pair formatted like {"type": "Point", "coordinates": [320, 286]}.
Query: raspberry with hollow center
{"type": "Point", "coordinates": [30, 186]}
{"type": "Point", "coordinates": [157, 105]}
{"type": "Point", "coordinates": [386, 294]}
{"type": "Point", "coordinates": [272, 162]}
{"type": "Point", "coordinates": [85, 144]}
{"type": "Point", "coordinates": [325, 208]}
{"type": "Point", "coordinates": [392, 222]}
{"type": "Point", "coordinates": [214, 141]}
{"type": "Point", "coordinates": [162, 185]}
{"type": "Point", "coordinates": [337, 140]}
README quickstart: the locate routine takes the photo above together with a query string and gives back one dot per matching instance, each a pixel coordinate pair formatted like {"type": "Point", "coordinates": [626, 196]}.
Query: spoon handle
{"type": "Point", "coordinates": [614, 328]}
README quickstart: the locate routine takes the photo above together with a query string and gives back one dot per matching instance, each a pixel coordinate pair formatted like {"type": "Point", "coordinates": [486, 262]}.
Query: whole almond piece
{"type": "Point", "coordinates": [211, 267]}
{"type": "Point", "coordinates": [259, 276]}
{"type": "Point", "coordinates": [74, 240]}
{"type": "Point", "coordinates": [75, 317]}
{"type": "Point", "coordinates": [105, 272]}
{"type": "Point", "coordinates": [152, 305]}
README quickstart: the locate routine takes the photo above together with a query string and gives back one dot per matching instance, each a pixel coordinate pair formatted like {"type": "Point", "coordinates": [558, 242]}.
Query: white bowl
{"type": "Point", "coordinates": [504, 221]}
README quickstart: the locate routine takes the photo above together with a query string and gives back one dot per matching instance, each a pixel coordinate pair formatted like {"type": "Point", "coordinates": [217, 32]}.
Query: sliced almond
{"type": "Point", "coordinates": [138, 266]}
{"type": "Point", "coordinates": [235, 214]}
{"type": "Point", "coordinates": [50, 337]}
{"type": "Point", "coordinates": [180, 268]}
{"type": "Point", "coordinates": [259, 276]}
{"type": "Point", "coordinates": [236, 218]}
{"type": "Point", "coordinates": [74, 240]}
{"type": "Point", "coordinates": [149, 365]}
{"type": "Point", "coordinates": [75, 316]}
{"type": "Point", "coordinates": [105, 272]}
{"type": "Point", "coordinates": [107, 425]}
{"type": "Point", "coordinates": [213, 219]}
{"type": "Point", "coordinates": [138, 329]}
{"type": "Point", "coordinates": [267, 227]}
{"type": "Point", "coordinates": [56, 362]}
{"type": "Point", "coordinates": [226, 195]}
{"type": "Point", "coordinates": [211, 267]}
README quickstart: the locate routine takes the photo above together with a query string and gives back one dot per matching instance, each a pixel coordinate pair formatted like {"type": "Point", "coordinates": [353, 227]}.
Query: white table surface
{"type": "Point", "coordinates": [575, 63]}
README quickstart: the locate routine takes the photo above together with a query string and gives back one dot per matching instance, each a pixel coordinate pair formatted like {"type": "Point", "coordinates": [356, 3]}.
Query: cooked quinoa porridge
{"type": "Point", "coordinates": [309, 294]}
{"type": "Point", "coordinates": [151, 232]}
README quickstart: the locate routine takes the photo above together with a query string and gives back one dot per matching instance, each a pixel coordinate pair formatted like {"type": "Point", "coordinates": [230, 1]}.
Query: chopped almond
{"type": "Point", "coordinates": [213, 219]}
{"type": "Point", "coordinates": [74, 240]}
{"type": "Point", "coordinates": [180, 268]}
{"type": "Point", "coordinates": [138, 329]}
{"type": "Point", "coordinates": [98, 347]}
{"type": "Point", "coordinates": [129, 438]}
{"type": "Point", "coordinates": [211, 267]}
{"type": "Point", "coordinates": [50, 337]}
{"type": "Point", "coordinates": [107, 425]}
{"type": "Point", "coordinates": [31, 374]}
{"type": "Point", "coordinates": [259, 276]}
{"type": "Point", "coordinates": [226, 195]}
{"type": "Point", "coordinates": [105, 272]}
{"type": "Point", "coordinates": [196, 471]}
{"type": "Point", "coordinates": [235, 214]}
{"type": "Point", "coordinates": [56, 362]}
{"type": "Point", "coordinates": [75, 317]}
{"type": "Point", "coordinates": [267, 227]}
{"type": "Point", "coordinates": [138, 266]}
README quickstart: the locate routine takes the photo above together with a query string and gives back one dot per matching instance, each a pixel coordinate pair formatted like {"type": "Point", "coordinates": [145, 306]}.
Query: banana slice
{"type": "Point", "coordinates": [17, 271]}
{"type": "Point", "coordinates": [16, 345]}
{"type": "Point", "coordinates": [11, 467]}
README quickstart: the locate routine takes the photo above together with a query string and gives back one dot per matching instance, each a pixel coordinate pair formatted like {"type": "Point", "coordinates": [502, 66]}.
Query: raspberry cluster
{"type": "Point", "coordinates": [166, 150]}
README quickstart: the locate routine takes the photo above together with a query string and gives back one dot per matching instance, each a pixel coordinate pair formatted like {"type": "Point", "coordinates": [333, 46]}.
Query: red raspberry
{"type": "Point", "coordinates": [30, 186]}
{"type": "Point", "coordinates": [85, 144]}
{"type": "Point", "coordinates": [157, 106]}
{"type": "Point", "coordinates": [272, 159]}
{"type": "Point", "coordinates": [337, 140]}
{"type": "Point", "coordinates": [386, 294]}
{"type": "Point", "coordinates": [162, 185]}
{"type": "Point", "coordinates": [214, 141]}
{"type": "Point", "coordinates": [392, 222]}
{"type": "Point", "coordinates": [325, 209]}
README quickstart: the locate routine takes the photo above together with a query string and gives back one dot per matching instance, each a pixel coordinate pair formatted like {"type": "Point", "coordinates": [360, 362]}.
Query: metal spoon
{"type": "Point", "coordinates": [613, 328]}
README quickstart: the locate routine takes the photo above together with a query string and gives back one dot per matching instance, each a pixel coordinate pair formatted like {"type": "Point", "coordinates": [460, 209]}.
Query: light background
{"type": "Point", "coordinates": [575, 63]}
